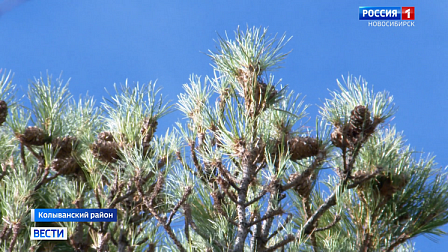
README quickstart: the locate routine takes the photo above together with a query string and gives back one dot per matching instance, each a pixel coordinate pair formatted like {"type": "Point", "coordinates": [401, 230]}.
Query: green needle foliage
{"type": "Point", "coordinates": [244, 172]}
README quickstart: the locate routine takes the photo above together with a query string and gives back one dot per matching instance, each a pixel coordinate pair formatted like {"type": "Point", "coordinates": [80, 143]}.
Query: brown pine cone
{"type": "Point", "coordinates": [304, 188]}
{"type": "Point", "coordinates": [34, 136]}
{"type": "Point", "coordinates": [337, 138]}
{"type": "Point", "coordinates": [105, 148]}
{"type": "Point", "coordinates": [64, 146]}
{"type": "Point", "coordinates": [303, 147]}
{"type": "Point", "coordinates": [388, 184]}
{"type": "Point", "coordinates": [65, 166]}
{"type": "Point", "coordinates": [360, 119]}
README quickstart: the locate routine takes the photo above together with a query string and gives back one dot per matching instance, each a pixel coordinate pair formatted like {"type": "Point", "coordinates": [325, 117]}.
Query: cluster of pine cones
{"type": "Point", "coordinates": [64, 161]}
{"type": "Point", "coordinates": [105, 148]}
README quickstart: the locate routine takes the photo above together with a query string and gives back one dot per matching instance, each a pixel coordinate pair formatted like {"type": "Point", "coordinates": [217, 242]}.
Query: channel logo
{"type": "Point", "coordinates": [49, 233]}
{"type": "Point", "coordinates": [386, 13]}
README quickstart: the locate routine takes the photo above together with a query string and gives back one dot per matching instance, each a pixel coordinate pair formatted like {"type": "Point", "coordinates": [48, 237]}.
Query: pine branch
{"type": "Point", "coordinates": [15, 234]}
{"type": "Point", "coordinates": [256, 199]}
{"type": "Point", "coordinates": [45, 179]}
{"type": "Point", "coordinates": [184, 164]}
{"type": "Point", "coordinates": [97, 197]}
{"type": "Point", "coordinates": [308, 213]}
{"type": "Point", "coordinates": [91, 226]}
{"type": "Point", "coordinates": [4, 235]}
{"type": "Point", "coordinates": [401, 239]}
{"type": "Point", "coordinates": [22, 156]}
{"type": "Point", "coordinates": [187, 192]}
{"type": "Point", "coordinates": [311, 222]}
{"type": "Point", "coordinates": [337, 218]}
{"type": "Point", "coordinates": [196, 162]}
{"type": "Point", "coordinates": [267, 216]}
{"type": "Point", "coordinates": [289, 238]}
{"type": "Point", "coordinates": [119, 199]}
{"type": "Point", "coordinates": [162, 221]}
{"type": "Point", "coordinates": [229, 177]}
{"type": "Point", "coordinates": [365, 178]}
{"type": "Point", "coordinates": [103, 243]}
{"type": "Point", "coordinates": [143, 241]}
{"type": "Point", "coordinates": [287, 220]}
{"type": "Point", "coordinates": [272, 205]}
{"type": "Point", "coordinates": [243, 229]}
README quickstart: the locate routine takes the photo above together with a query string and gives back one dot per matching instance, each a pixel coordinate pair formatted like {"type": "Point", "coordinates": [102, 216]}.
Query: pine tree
{"type": "Point", "coordinates": [260, 177]}
{"type": "Point", "coordinates": [64, 153]}
{"type": "Point", "coordinates": [243, 173]}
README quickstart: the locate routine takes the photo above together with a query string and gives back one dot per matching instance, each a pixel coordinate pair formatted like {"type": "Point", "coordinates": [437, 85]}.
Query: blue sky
{"type": "Point", "coordinates": [99, 43]}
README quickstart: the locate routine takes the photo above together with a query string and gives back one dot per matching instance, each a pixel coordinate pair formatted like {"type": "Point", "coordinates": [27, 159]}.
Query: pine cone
{"type": "Point", "coordinates": [360, 119]}
{"type": "Point", "coordinates": [65, 166]}
{"type": "Point", "coordinates": [302, 147]}
{"type": "Point", "coordinates": [304, 189]}
{"type": "Point", "coordinates": [34, 136]}
{"type": "Point", "coordinates": [147, 130]}
{"type": "Point", "coordinates": [388, 184]}
{"type": "Point", "coordinates": [337, 138]}
{"type": "Point", "coordinates": [385, 186]}
{"type": "Point", "coordinates": [105, 148]}
{"type": "Point", "coordinates": [3, 112]}
{"type": "Point", "coordinates": [64, 146]}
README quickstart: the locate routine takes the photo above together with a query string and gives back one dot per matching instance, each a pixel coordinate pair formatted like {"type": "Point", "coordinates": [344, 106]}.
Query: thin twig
{"type": "Point", "coordinates": [142, 241]}
{"type": "Point", "coordinates": [167, 228]}
{"type": "Point", "coordinates": [179, 157]}
{"type": "Point", "coordinates": [45, 179]}
{"type": "Point", "coordinates": [262, 193]}
{"type": "Point", "coordinates": [287, 220]}
{"type": "Point", "coordinates": [337, 218]}
{"type": "Point", "coordinates": [360, 181]}
{"type": "Point", "coordinates": [195, 160]}
{"type": "Point", "coordinates": [229, 177]}
{"type": "Point", "coordinates": [329, 202]}
{"type": "Point", "coordinates": [274, 213]}
{"type": "Point", "coordinates": [187, 192]}
{"type": "Point", "coordinates": [307, 208]}
{"type": "Point", "coordinates": [401, 239]}
{"type": "Point", "coordinates": [97, 196]}
{"type": "Point", "coordinates": [3, 233]}
{"type": "Point", "coordinates": [22, 156]}
{"type": "Point", "coordinates": [119, 199]}
{"type": "Point", "coordinates": [289, 238]}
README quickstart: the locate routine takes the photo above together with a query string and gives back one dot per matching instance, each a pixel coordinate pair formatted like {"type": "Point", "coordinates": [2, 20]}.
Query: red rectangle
{"type": "Point", "coordinates": [407, 13]}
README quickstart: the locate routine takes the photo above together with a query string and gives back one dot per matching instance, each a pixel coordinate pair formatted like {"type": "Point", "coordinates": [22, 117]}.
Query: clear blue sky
{"type": "Point", "coordinates": [99, 43]}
